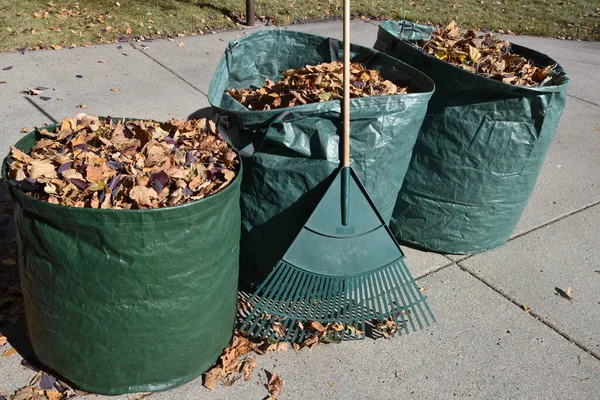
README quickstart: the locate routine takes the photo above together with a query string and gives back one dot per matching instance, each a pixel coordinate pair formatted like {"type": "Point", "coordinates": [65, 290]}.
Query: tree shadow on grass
{"type": "Point", "coordinates": [235, 17]}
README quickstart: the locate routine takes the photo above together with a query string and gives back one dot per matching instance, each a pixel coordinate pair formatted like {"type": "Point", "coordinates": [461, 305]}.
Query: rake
{"type": "Point", "coordinates": [344, 269]}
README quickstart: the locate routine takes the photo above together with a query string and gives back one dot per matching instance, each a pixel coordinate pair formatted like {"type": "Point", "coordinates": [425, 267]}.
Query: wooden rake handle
{"type": "Point", "coordinates": [346, 103]}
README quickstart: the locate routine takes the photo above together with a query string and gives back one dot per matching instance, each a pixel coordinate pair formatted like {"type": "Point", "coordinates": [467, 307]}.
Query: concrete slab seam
{"type": "Point", "coordinates": [531, 312]}
{"type": "Point", "coordinates": [585, 101]}
{"type": "Point", "coordinates": [467, 256]}
{"type": "Point", "coordinates": [171, 71]}
{"type": "Point", "coordinates": [435, 270]}
{"type": "Point", "coordinates": [552, 221]}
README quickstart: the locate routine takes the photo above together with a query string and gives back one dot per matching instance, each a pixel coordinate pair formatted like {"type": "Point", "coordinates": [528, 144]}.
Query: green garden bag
{"type": "Point", "coordinates": [479, 151]}
{"type": "Point", "coordinates": [290, 153]}
{"type": "Point", "coordinates": [120, 301]}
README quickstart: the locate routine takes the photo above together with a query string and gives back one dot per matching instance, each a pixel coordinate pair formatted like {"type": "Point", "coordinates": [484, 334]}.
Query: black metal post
{"type": "Point", "coordinates": [250, 12]}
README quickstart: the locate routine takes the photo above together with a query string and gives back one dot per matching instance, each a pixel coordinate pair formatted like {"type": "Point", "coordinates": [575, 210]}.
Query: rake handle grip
{"type": "Point", "coordinates": [345, 198]}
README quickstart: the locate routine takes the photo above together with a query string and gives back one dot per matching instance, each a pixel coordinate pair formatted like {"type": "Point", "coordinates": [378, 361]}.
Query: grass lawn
{"type": "Point", "coordinates": [35, 24]}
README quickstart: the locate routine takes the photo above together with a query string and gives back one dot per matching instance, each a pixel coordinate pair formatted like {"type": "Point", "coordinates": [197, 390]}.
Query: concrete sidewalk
{"type": "Point", "coordinates": [484, 345]}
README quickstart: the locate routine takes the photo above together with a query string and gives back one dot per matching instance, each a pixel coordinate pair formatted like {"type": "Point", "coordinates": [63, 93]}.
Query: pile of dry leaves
{"type": "Point", "coordinates": [238, 360]}
{"type": "Point", "coordinates": [313, 84]}
{"type": "Point", "coordinates": [118, 164]}
{"type": "Point", "coordinates": [485, 55]}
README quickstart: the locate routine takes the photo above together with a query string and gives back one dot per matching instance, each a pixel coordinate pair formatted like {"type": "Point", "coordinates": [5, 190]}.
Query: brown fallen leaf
{"type": "Point", "coordinates": [56, 47]}
{"type": "Point", "coordinates": [24, 130]}
{"type": "Point", "coordinates": [102, 61]}
{"type": "Point", "coordinates": [211, 378]}
{"type": "Point", "coordinates": [3, 340]}
{"type": "Point", "coordinates": [115, 89]}
{"type": "Point", "coordinates": [32, 91]}
{"type": "Point", "coordinates": [315, 325]}
{"type": "Point", "coordinates": [248, 368]}
{"type": "Point", "coordinates": [3, 82]}
{"type": "Point", "coordinates": [9, 352]}
{"type": "Point", "coordinates": [567, 295]}
{"type": "Point", "coordinates": [42, 169]}
{"type": "Point", "coordinates": [275, 384]}
{"type": "Point", "coordinates": [180, 44]}
{"type": "Point", "coordinates": [526, 309]}
{"type": "Point", "coordinates": [81, 106]}
{"type": "Point", "coordinates": [53, 395]}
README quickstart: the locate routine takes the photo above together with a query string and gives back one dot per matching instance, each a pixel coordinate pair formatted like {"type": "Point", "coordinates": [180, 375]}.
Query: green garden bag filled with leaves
{"type": "Point", "coordinates": [479, 151]}
{"type": "Point", "coordinates": [290, 153]}
{"type": "Point", "coordinates": [121, 301]}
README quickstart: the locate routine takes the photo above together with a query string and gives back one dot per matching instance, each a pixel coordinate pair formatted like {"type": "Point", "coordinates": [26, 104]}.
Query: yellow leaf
{"type": "Point", "coordinates": [180, 44]}
{"type": "Point", "coordinates": [56, 47]}
{"type": "Point", "coordinates": [474, 54]}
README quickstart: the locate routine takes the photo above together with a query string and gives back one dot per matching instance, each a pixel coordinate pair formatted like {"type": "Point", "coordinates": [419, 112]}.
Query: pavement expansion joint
{"type": "Point", "coordinates": [451, 263]}
{"type": "Point", "coordinates": [585, 101]}
{"type": "Point", "coordinates": [531, 312]}
{"type": "Point", "coordinates": [577, 211]}
{"type": "Point", "coordinates": [171, 71]}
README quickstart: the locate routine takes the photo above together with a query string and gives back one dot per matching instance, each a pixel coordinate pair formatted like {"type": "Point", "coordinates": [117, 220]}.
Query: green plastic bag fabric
{"type": "Point", "coordinates": [120, 301]}
{"type": "Point", "coordinates": [290, 153]}
{"type": "Point", "coordinates": [479, 151]}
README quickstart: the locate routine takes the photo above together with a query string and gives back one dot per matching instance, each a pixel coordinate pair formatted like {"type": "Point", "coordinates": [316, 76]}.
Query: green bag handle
{"type": "Point", "coordinates": [250, 149]}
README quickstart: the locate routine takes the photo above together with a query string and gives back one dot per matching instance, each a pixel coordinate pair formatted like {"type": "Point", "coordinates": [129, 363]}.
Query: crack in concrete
{"type": "Point", "coordinates": [532, 313]}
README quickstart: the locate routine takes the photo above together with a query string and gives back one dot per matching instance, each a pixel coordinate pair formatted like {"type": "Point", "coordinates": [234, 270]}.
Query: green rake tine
{"type": "Point", "coordinates": [419, 297]}
{"type": "Point", "coordinates": [414, 300]}
{"type": "Point", "coordinates": [289, 324]}
{"type": "Point", "coordinates": [385, 294]}
{"type": "Point", "coordinates": [281, 305]}
{"type": "Point", "coordinates": [262, 301]}
{"type": "Point", "coordinates": [375, 299]}
{"type": "Point", "coordinates": [380, 295]}
{"type": "Point", "coordinates": [350, 300]}
{"type": "Point", "coordinates": [327, 302]}
{"type": "Point", "coordinates": [399, 307]}
{"type": "Point", "coordinates": [305, 303]}
{"type": "Point", "coordinates": [405, 301]}
{"type": "Point", "coordinates": [273, 300]}
{"type": "Point", "coordinates": [422, 298]}
{"type": "Point", "coordinates": [411, 302]}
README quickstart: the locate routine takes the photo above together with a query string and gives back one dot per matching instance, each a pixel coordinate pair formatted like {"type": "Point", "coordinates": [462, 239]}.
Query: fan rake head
{"type": "Point", "coordinates": [386, 301]}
